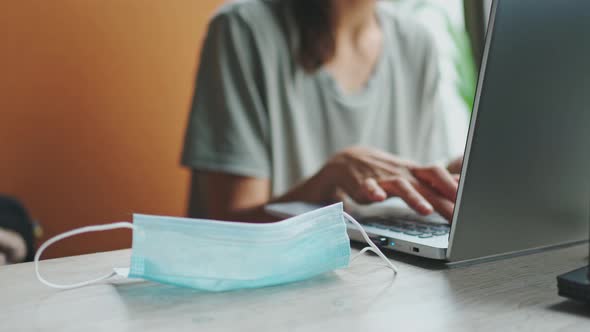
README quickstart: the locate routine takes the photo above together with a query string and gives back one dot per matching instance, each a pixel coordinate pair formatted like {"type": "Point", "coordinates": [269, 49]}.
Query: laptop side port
{"type": "Point", "coordinates": [380, 241]}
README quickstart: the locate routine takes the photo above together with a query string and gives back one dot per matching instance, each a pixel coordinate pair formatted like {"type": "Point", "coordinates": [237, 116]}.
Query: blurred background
{"type": "Point", "coordinates": [94, 98]}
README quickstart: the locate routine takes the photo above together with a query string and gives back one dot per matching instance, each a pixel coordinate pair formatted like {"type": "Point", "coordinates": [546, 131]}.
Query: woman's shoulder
{"type": "Point", "coordinates": [404, 30]}
{"type": "Point", "coordinates": [257, 27]}
{"type": "Point", "coordinates": [256, 15]}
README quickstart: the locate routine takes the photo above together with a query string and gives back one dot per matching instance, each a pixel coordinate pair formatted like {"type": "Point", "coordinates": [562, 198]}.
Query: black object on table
{"type": "Point", "coordinates": [575, 285]}
{"type": "Point", "coordinates": [15, 217]}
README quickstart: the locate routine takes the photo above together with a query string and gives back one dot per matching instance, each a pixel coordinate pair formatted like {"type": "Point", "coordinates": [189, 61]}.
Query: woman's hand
{"type": "Point", "coordinates": [369, 175]}
{"type": "Point", "coordinates": [438, 187]}
{"type": "Point", "coordinates": [365, 174]}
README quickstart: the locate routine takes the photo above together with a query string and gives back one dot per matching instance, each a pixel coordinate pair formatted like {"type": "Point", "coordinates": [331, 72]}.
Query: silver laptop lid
{"type": "Point", "coordinates": [525, 181]}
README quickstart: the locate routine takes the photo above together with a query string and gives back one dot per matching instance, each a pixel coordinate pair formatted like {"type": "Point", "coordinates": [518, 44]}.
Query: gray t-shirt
{"type": "Point", "coordinates": [257, 113]}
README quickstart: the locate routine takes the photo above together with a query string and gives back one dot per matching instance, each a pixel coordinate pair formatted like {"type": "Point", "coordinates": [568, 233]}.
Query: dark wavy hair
{"type": "Point", "coordinates": [314, 22]}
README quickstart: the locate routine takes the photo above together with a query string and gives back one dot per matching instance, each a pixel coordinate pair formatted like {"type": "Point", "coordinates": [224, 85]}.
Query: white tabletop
{"type": "Point", "coordinates": [513, 294]}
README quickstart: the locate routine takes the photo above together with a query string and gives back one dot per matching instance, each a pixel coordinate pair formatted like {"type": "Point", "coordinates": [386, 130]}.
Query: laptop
{"type": "Point", "coordinates": [525, 182]}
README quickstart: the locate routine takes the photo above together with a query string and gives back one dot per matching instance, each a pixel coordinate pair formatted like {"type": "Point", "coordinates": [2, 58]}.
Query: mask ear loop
{"type": "Point", "coordinates": [73, 232]}
{"type": "Point", "coordinates": [372, 247]}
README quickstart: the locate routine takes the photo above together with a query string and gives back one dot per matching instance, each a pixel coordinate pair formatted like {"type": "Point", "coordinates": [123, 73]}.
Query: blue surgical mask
{"type": "Point", "coordinates": [219, 256]}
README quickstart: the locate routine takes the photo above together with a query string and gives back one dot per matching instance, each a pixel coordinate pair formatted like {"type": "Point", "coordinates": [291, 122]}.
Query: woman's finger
{"type": "Point", "coordinates": [439, 179]}
{"type": "Point", "coordinates": [373, 191]}
{"type": "Point", "coordinates": [361, 189]}
{"type": "Point", "coordinates": [400, 187]}
{"type": "Point", "coordinates": [455, 165]}
{"type": "Point", "coordinates": [441, 204]}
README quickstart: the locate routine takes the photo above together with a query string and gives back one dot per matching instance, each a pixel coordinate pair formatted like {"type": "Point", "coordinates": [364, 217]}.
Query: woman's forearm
{"type": "Point", "coordinates": [226, 197]}
{"type": "Point", "coordinates": [316, 189]}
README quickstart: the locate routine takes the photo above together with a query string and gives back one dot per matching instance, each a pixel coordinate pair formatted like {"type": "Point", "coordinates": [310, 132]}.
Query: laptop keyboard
{"type": "Point", "coordinates": [408, 227]}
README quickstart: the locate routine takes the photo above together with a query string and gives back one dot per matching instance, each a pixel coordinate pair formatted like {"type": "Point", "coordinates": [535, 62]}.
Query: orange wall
{"type": "Point", "coordinates": [94, 97]}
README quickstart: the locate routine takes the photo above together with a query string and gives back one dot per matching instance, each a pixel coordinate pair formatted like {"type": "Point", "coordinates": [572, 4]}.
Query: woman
{"type": "Point", "coordinates": [308, 99]}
